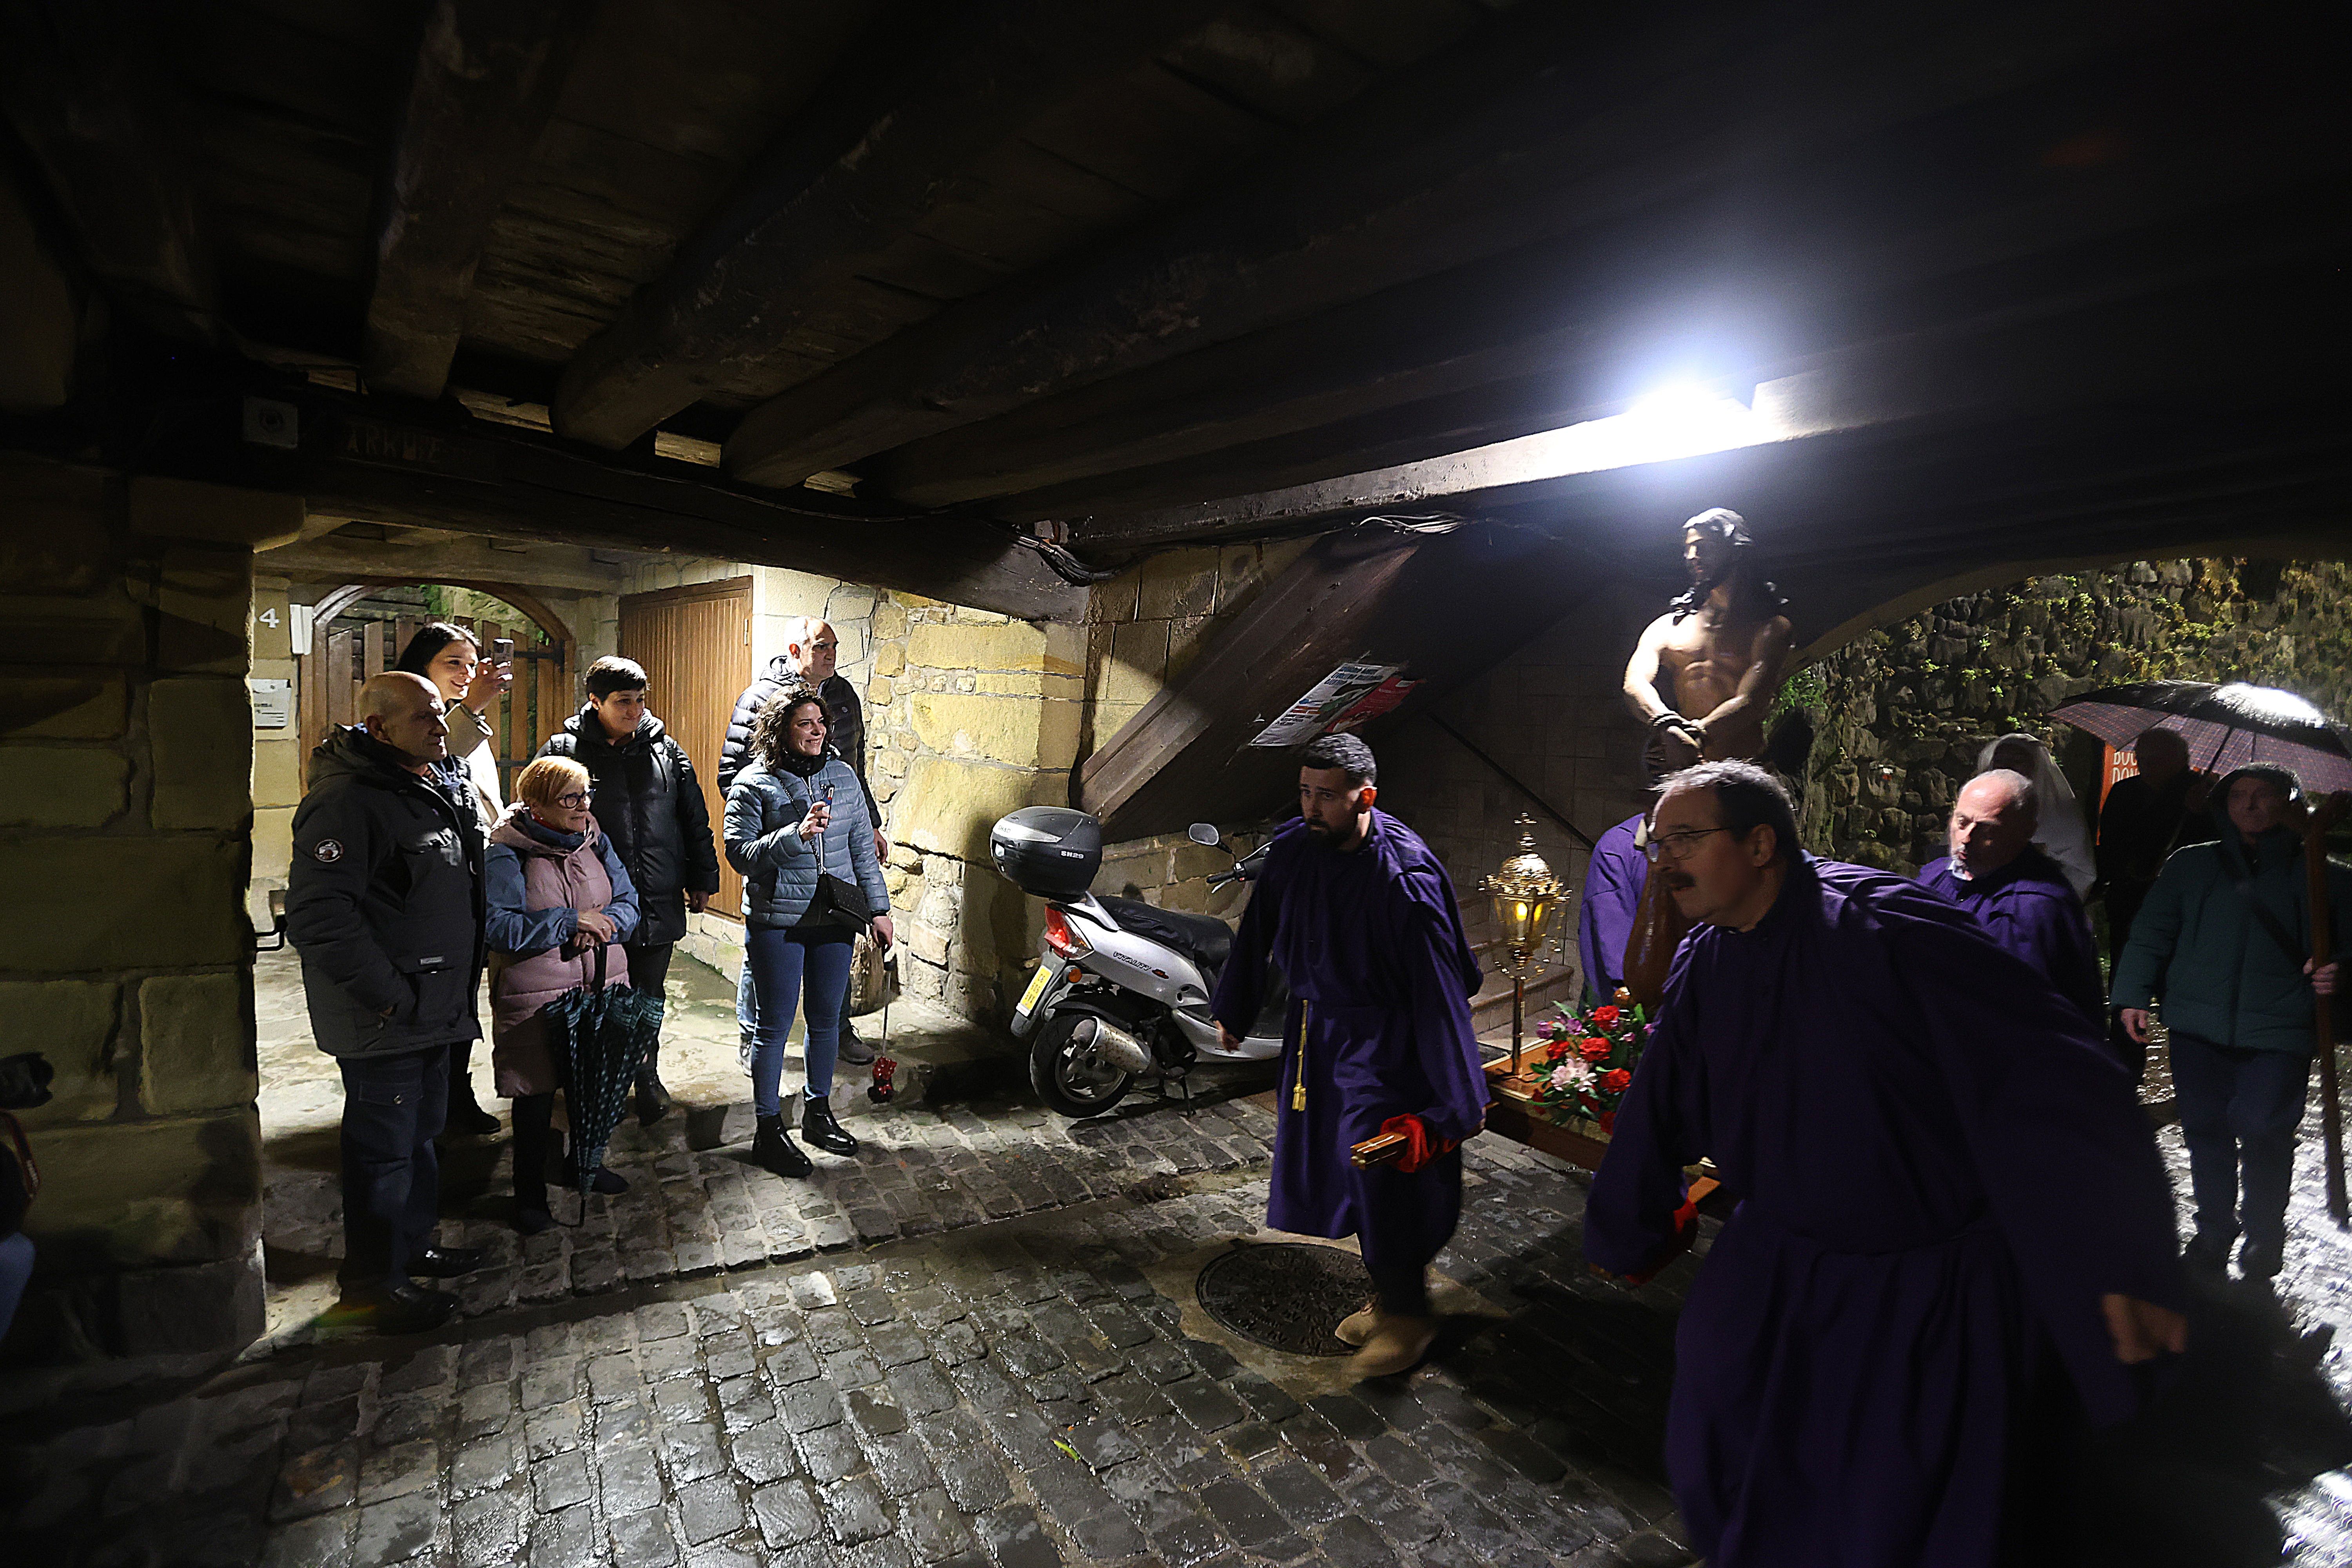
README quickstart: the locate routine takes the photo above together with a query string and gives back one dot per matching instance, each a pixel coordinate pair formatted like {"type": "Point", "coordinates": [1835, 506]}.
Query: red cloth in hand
{"type": "Point", "coordinates": [1685, 1232]}
{"type": "Point", "coordinates": [1420, 1147]}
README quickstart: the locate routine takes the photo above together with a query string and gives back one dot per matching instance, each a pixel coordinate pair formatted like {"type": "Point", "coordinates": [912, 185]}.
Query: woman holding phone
{"type": "Point", "coordinates": [811, 883]}
{"type": "Point", "coordinates": [451, 659]}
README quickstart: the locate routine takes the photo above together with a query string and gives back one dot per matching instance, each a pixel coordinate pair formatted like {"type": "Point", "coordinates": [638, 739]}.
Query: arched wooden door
{"type": "Point", "coordinates": [336, 664]}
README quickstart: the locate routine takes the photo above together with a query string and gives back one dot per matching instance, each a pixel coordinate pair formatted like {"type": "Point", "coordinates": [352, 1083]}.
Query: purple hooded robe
{"type": "Point", "coordinates": [1942, 1172]}
{"type": "Point", "coordinates": [1612, 894]}
{"type": "Point", "coordinates": [1374, 948]}
{"type": "Point", "coordinates": [2030, 909]}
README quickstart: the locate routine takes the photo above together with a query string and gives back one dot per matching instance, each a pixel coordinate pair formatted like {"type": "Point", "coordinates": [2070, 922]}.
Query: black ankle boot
{"type": "Point", "coordinates": [773, 1151]}
{"type": "Point", "coordinates": [821, 1130]}
{"type": "Point", "coordinates": [653, 1097]}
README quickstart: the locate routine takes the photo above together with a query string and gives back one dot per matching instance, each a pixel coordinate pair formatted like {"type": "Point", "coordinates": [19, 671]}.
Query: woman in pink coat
{"type": "Point", "coordinates": [556, 893]}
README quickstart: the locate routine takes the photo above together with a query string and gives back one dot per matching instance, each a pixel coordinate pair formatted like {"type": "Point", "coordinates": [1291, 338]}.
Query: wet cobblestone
{"type": "Point", "coordinates": [1034, 1391]}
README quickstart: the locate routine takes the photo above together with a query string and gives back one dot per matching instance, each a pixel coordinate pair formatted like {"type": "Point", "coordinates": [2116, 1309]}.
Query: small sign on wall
{"type": "Point", "coordinates": [1343, 700]}
{"type": "Point", "coordinates": [273, 703]}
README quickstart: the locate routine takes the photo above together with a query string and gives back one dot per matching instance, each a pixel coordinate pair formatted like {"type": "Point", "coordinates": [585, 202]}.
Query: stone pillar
{"type": "Point", "coordinates": [126, 818]}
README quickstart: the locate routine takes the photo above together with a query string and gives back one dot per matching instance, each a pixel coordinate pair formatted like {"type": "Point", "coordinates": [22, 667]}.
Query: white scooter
{"type": "Point", "coordinates": [1122, 987]}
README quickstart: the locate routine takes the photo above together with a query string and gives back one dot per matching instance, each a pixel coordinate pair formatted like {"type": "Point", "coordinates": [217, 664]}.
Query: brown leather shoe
{"type": "Point", "coordinates": [1357, 1327]}
{"type": "Point", "coordinates": [1397, 1345]}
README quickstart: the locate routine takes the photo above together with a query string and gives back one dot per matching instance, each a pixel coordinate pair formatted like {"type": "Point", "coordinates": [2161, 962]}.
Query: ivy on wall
{"type": "Point", "coordinates": [1899, 714]}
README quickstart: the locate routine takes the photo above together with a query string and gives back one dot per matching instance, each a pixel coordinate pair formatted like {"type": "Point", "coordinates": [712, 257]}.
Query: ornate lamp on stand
{"type": "Point", "coordinates": [1524, 893]}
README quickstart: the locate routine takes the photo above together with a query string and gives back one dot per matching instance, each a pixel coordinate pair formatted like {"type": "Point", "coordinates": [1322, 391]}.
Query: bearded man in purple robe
{"type": "Point", "coordinates": [1362, 918]}
{"type": "Point", "coordinates": [2021, 896]}
{"type": "Point", "coordinates": [1954, 1234]}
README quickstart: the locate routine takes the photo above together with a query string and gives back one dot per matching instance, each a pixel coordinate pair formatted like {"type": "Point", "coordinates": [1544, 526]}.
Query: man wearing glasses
{"type": "Point", "coordinates": [1943, 1174]}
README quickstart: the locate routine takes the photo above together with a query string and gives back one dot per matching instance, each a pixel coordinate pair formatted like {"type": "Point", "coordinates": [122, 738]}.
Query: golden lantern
{"type": "Point", "coordinates": [1524, 893]}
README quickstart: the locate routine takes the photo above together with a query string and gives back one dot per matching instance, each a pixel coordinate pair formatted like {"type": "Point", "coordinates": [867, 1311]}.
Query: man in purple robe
{"type": "Point", "coordinates": [2021, 897]}
{"type": "Point", "coordinates": [1953, 1233]}
{"type": "Point", "coordinates": [1613, 891]}
{"type": "Point", "coordinates": [1361, 919]}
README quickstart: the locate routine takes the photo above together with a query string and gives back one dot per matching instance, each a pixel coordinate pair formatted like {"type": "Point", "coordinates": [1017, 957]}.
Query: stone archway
{"type": "Point", "coordinates": [313, 706]}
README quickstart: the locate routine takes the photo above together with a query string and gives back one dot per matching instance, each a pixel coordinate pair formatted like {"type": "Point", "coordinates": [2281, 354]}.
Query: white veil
{"type": "Point", "coordinates": [2062, 833]}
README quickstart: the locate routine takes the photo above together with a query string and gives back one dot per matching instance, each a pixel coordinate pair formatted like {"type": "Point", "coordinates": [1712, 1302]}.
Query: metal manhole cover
{"type": "Point", "coordinates": [1285, 1295]}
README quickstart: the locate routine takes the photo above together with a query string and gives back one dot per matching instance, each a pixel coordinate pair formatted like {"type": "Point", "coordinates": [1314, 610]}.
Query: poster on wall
{"type": "Point", "coordinates": [1346, 697]}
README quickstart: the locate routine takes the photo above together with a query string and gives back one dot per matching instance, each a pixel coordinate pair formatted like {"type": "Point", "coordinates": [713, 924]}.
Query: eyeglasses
{"type": "Point", "coordinates": [575, 800]}
{"type": "Point", "coordinates": [1678, 846]}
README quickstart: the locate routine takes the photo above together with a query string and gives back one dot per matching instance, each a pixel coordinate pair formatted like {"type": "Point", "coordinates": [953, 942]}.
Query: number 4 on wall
{"type": "Point", "coordinates": [267, 618]}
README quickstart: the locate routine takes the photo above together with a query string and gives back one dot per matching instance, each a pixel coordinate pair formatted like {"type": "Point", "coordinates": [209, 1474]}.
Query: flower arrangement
{"type": "Point", "coordinates": [1585, 1060]}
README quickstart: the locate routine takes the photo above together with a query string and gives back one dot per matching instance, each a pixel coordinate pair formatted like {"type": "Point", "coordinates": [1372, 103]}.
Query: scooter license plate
{"type": "Point", "coordinates": [1037, 983]}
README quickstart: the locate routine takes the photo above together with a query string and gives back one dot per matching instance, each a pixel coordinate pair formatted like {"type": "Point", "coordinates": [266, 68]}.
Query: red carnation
{"type": "Point", "coordinates": [1604, 1016]}
{"type": "Point", "coordinates": [1615, 1080]}
{"type": "Point", "coordinates": [1559, 1049]}
{"type": "Point", "coordinates": [1595, 1050]}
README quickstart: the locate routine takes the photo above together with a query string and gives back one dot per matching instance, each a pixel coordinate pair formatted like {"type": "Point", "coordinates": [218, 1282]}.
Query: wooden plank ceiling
{"type": "Point", "coordinates": [1140, 272]}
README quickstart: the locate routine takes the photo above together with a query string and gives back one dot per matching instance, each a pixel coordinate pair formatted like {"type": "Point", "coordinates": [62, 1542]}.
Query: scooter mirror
{"type": "Point", "coordinates": [1202, 832]}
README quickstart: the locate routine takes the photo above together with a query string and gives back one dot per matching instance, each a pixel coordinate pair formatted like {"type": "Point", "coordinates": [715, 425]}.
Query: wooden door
{"type": "Point", "coordinates": [696, 645]}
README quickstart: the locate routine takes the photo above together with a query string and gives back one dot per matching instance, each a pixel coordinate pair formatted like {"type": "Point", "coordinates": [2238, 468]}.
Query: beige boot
{"type": "Point", "coordinates": [1357, 1327]}
{"type": "Point", "coordinates": [1397, 1344]}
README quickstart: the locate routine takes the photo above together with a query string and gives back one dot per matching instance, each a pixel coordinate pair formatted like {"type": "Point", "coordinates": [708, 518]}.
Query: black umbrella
{"type": "Point", "coordinates": [2226, 727]}
{"type": "Point", "coordinates": [600, 1037]}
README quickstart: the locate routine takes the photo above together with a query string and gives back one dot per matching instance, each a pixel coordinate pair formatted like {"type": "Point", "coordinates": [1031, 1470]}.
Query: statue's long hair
{"type": "Point", "coordinates": [1753, 597]}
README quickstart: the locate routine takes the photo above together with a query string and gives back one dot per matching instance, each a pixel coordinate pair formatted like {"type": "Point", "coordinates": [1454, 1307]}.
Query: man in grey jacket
{"type": "Point", "coordinates": [384, 903]}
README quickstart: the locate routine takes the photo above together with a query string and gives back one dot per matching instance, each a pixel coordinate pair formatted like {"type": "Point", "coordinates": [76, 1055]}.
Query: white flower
{"type": "Point", "coordinates": [1573, 1073]}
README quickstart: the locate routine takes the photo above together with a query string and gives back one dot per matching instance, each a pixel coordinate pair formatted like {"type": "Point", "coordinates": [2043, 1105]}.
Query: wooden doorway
{"type": "Point", "coordinates": [341, 657]}
{"type": "Point", "coordinates": [696, 645]}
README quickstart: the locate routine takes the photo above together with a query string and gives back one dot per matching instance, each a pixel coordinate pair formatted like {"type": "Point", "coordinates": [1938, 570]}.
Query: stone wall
{"type": "Point", "coordinates": [126, 814]}
{"type": "Point", "coordinates": [1553, 714]}
{"type": "Point", "coordinates": [969, 714]}
{"type": "Point", "coordinates": [1901, 713]}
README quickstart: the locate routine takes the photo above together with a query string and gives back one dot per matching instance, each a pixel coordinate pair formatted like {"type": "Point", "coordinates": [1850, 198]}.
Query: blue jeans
{"type": "Point", "coordinates": [392, 1109]}
{"type": "Point", "coordinates": [748, 1024]}
{"type": "Point", "coordinates": [786, 970]}
{"type": "Point", "coordinates": [15, 1269]}
{"type": "Point", "coordinates": [2239, 1108]}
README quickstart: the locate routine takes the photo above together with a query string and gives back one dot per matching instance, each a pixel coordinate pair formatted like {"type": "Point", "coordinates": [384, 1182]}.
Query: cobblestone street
{"type": "Point", "coordinates": [978, 1343]}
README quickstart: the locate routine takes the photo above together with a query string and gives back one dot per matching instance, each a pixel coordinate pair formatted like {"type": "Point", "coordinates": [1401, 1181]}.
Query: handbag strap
{"type": "Point", "coordinates": [2243, 884]}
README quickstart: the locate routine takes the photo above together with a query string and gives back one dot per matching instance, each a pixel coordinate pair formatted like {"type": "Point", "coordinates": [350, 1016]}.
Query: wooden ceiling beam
{"type": "Point", "coordinates": [487, 81]}
{"type": "Point", "coordinates": [1536, 128]}
{"type": "Point", "coordinates": [354, 462]}
{"type": "Point", "coordinates": [1862, 245]}
{"type": "Point", "coordinates": [82, 84]}
{"type": "Point", "coordinates": [2164, 348]}
{"type": "Point", "coordinates": [862, 165]}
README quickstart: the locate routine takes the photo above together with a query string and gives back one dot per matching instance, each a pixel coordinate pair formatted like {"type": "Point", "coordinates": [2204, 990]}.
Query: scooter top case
{"type": "Point", "coordinates": [1047, 851]}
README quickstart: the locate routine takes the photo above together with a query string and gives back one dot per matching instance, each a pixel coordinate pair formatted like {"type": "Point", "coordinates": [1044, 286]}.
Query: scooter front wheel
{"type": "Point", "coordinates": [1072, 1078]}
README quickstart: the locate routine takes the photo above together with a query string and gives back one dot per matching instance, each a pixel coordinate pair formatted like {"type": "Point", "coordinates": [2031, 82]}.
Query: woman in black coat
{"type": "Point", "coordinates": [649, 804]}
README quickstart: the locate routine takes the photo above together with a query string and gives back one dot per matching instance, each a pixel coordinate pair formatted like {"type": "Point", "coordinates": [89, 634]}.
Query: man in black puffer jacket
{"type": "Point", "coordinates": [650, 804]}
{"type": "Point", "coordinates": [384, 900]}
{"type": "Point", "coordinates": [809, 659]}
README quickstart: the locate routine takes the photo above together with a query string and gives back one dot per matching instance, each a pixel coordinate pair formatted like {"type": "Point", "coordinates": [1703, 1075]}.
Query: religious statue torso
{"type": "Point", "coordinates": [1706, 655]}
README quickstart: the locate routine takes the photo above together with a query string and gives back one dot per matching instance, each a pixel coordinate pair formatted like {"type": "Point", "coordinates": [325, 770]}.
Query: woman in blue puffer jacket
{"type": "Point", "coordinates": [783, 832]}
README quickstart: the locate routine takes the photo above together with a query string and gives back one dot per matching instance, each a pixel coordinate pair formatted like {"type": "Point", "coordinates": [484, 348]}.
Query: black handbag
{"type": "Point", "coordinates": [836, 899]}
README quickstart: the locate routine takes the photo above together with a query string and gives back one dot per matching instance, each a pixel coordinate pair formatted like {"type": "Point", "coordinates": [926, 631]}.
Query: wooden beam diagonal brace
{"type": "Point", "coordinates": [487, 79]}
{"type": "Point", "coordinates": [859, 168]}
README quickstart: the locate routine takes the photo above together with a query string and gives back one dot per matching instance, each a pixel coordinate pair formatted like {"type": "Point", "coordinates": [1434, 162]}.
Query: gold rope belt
{"type": "Point", "coordinates": [1298, 1079]}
